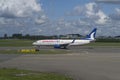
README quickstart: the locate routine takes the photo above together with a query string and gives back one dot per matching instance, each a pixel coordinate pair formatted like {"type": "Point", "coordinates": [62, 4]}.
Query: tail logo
{"type": "Point", "coordinates": [91, 36]}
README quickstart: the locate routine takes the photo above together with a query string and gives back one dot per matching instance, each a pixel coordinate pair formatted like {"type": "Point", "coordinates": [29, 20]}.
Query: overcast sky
{"type": "Point", "coordinates": [54, 17]}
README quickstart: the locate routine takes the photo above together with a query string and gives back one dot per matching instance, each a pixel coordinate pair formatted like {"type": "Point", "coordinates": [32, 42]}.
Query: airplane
{"type": "Point", "coordinates": [63, 44]}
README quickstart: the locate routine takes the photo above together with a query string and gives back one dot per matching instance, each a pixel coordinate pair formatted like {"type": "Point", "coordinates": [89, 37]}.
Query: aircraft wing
{"type": "Point", "coordinates": [64, 45]}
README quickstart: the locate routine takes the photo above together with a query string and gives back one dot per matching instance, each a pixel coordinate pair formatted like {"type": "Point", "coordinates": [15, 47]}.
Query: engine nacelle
{"type": "Point", "coordinates": [57, 46]}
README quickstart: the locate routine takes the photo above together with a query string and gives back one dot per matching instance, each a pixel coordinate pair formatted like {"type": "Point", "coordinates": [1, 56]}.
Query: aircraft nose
{"type": "Point", "coordinates": [34, 43]}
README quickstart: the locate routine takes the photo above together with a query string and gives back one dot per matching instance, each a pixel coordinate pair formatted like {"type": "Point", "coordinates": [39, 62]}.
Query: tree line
{"type": "Point", "coordinates": [27, 36]}
{"type": "Point", "coordinates": [68, 36]}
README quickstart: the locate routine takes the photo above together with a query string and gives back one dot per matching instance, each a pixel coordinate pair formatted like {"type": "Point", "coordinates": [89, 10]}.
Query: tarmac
{"type": "Point", "coordinates": [85, 63]}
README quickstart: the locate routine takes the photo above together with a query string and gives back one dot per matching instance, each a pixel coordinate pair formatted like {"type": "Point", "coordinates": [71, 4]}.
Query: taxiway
{"type": "Point", "coordinates": [100, 63]}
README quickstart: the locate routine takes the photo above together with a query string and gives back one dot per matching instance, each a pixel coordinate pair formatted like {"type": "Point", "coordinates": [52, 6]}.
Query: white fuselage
{"type": "Point", "coordinates": [59, 41]}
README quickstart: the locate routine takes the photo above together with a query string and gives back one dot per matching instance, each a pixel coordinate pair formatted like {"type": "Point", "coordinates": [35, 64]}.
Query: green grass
{"type": "Point", "coordinates": [15, 43]}
{"type": "Point", "coordinates": [14, 74]}
{"type": "Point", "coordinates": [109, 44]}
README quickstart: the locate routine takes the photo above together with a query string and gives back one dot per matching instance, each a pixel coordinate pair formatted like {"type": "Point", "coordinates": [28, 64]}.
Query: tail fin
{"type": "Point", "coordinates": [91, 36]}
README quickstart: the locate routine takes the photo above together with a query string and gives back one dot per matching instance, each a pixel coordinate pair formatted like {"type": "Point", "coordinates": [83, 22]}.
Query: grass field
{"type": "Point", "coordinates": [25, 43]}
{"type": "Point", "coordinates": [108, 44]}
{"type": "Point", "coordinates": [14, 74]}
{"type": "Point", "coordinates": [15, 43]}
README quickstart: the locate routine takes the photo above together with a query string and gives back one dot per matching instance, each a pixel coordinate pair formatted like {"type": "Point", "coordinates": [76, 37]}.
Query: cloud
{"type": "Point", "coordinates": [117, 10]}
{"type": "Point", "coordinates": [108, 1]}
{"type": "Point", "coordinates": [95, 13]}
{"type": "Point", "coordinates": [41, 19]}
{"type": "Point", "coordinates": [63, 26]}
{"type": "Point", "coordinates": [18, 8]}
{"type": "Point", "coordinates": [88, 16]}
{"type": "Point", "coordinates": [115, 15]}
{"type": "Point", "coordinates": [21, 15]}
{"type": "Point", "coordinates": [92, 12]}
{"type": "Point", "coordinates": [21, 11]}
{"type": "Point", "coordinates": [91, 15]}
{"type": "Point", "coordinates": [78, 10]}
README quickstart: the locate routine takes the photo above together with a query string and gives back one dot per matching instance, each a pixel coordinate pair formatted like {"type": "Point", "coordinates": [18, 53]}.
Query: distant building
{"type": "Point", "coordinates": [117, 37]}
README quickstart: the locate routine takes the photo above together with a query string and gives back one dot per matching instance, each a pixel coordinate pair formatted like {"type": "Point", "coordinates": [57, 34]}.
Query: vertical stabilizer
{"type": "Point", "coordinates": [91, 36]}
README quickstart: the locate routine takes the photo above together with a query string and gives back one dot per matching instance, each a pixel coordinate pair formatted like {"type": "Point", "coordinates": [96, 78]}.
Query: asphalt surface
{"type": "Point", "coordinates": [90, 63]}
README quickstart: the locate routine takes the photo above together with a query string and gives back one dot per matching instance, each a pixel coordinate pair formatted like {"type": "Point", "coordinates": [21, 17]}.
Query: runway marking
{"type": "Point", "coordinates": [71, 54]}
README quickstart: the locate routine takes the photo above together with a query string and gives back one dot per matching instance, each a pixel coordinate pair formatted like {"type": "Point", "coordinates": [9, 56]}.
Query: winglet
{"type": "Point", "coordinates": [73, 41]}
